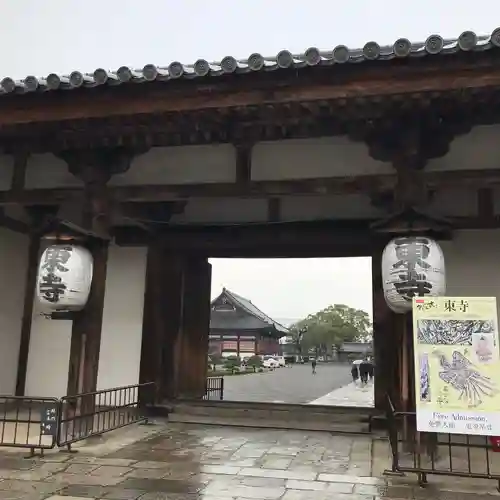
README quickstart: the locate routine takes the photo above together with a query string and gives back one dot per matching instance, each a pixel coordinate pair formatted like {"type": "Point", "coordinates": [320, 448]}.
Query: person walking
{"type": "Point", "coordinates": [371, 371]}
{"type": "Point", "coordinates": [364, 370]}
{"type": "Point", "coordinates": [313, 364]}
{"type": "Point", "coordinates": [355, 372]}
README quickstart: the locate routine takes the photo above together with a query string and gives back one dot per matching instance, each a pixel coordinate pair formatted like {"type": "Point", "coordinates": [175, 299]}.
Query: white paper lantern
{"type": "Point", "coordinates": [412, 266]}
{"type": "Point", "coordinates": [64, 278]}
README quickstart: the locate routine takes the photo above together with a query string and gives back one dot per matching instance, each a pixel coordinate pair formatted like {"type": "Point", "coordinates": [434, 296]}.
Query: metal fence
{"type": "Point", "coordinates": [29, 423]}
{"type": "Point", "coordinates": [214, 388]}
{"type": "Point", "coordinates": [439, 453]}
{"type": "Point", "coordinates": [92, 414]}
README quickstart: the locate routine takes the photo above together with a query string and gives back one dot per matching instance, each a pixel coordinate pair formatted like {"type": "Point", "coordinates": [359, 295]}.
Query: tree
{"type": "Point", "coordinates": [232, 363]}
{"type": "Point", "coordinates": [255, 362]}
{"type": "Point", "coordinates": [331, 327]}
{"type": "Point", "coordinates": [214, 360]}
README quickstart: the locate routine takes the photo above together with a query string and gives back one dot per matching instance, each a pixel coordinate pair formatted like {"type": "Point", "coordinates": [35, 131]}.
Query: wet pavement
{"type": "Point", "coordinates": [353, 394]}
{"type": "Point", "coordinates": [183, 462]}
{"type": "Point", "coordinates": [294, 385]}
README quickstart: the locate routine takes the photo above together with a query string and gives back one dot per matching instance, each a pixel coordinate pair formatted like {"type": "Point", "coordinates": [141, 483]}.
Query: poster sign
{"type": "Point", "coordinates": [457, 365]}
{"type": "Point", "coordinates": [48, 419]}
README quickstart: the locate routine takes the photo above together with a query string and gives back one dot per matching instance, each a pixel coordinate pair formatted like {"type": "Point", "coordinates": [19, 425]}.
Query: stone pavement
{"type": "Point", "coordinates": [182, 462]}
{"type": "Point", "coordinates": [293, 385]}
{"type": "Point", "coordinates": [352, 394]}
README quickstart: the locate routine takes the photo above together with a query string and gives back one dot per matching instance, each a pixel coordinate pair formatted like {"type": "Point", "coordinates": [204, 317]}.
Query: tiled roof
{"type": "Point", "coordinates": [247, 305]}
{"type": "Point", "coordinates": [402, 48]}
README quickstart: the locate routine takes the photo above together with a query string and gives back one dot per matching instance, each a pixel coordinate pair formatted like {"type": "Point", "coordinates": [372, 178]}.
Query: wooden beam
{"type": "Point", "coordinates": [274, 209]}
{"type": "Point", "coordinates": [19, 171]}
{"type": "Point", "coordinates": [324, 186]}
{"type": "Point", "coordinates": [382, 80]}
{"type": "Point", "coordinates": [485, 204]}
{"type": "Point", "coordinates": [309, 239]}
{"type": "Point", "coordinates": [13, 224]}
{"type": "Point", "coordinates": [243, 165]}
{"type": "Point", "coordinates": [256, 189]}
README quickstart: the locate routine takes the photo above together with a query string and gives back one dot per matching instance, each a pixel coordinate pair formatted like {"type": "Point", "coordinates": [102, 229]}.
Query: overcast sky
{"type": "Point", "coordinates": [43, 36]}
{"type": "Point", "coordinates": [290, 289]}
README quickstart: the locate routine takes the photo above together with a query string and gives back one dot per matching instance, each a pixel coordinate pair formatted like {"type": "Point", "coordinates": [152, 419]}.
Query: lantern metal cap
{"type": "Point", "coordinates": [412, 221]}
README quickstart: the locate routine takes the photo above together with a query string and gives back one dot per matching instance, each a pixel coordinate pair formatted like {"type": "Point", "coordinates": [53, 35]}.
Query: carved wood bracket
{"type": "Point", "coordinates": [409, 146]}
{"type": "Point", "coordinates": [98, 165]}
{"type": "Point", "coordinates": [409, 143]}
{"type": "Point", "coordinates": [95, 167]}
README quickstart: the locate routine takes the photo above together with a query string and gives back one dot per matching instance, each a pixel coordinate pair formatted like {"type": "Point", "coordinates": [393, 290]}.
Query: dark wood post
{"type": "Point", "coordinates": [39, 217]}
{"type": "Point", "coordinates": [385, 344]}
{"type": "Point", "coordinates": [161, 322]}
{"type": "Point", "coordinates": [87, 324]}
{"type": "Point", "coordinates": [29, 292]}
{"type": "Point", "coordinates": [193, 346]}
{"type": "Point", "coordinates": [94, 167]}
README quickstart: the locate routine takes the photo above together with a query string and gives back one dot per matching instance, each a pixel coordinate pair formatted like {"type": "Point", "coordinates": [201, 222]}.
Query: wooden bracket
{"type": "Point", "coordinates": [95, 167]}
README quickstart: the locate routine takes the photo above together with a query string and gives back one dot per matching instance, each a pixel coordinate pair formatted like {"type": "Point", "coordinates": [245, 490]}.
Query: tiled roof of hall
{"type": "Point", "coordinates": [402, 48]}
{"type": "Point", "coordinates": [252, 309]}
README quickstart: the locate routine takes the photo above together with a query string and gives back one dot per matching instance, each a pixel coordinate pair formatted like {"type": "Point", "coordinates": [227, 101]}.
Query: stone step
{"type": "Point", "coordinates": [301, 425]}
{"type": "Point", "coordinates": [297, 408]}
{"type": "Point", "coordinates": [271, 413]}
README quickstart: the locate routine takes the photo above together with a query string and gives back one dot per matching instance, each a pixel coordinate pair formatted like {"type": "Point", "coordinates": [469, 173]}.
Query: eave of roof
{"type": "Point", "coordinates": [402, 48]}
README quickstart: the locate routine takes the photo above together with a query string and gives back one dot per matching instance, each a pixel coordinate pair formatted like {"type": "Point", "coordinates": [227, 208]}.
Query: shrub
{"type": "Point", "coordinates": [231, 363]}
{"type": "Point", "coordinates": [254, 362]}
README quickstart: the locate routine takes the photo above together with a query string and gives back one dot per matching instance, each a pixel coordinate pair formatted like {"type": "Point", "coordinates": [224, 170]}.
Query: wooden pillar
{"type": "Point", "coordinates": [39, 218]}
{"type": "Point", "coordinates": [29, 294]}
{"type": "Point", "coordinates": [152, 322]}
{"type": "Point", "coordinates": [94, 167]}
{"type": "Point", "coordinates": [192, 362]}
{"type": "Point", "coordinates": [408, 357]}
{"type": "Point", "coordinates": [86, 330]}
{"type": "Point", "coordinates": [161, 321]}
{"type": "Point", "coordinates": [385, 341]}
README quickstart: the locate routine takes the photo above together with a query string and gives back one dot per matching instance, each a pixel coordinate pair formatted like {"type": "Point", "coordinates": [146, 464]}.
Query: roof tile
{"type": "Point", "coordinates": [402, 48]}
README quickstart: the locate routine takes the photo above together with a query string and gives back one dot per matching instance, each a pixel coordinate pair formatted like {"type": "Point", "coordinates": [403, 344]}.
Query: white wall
{"type": "Point", "coordinates": [121, 334]}
{"type": "Point", "coordinates": [14, 264]}
{"type": "Point", "coordinates": [48, 359]}
{"type": "Point", "coordinates": [473, 264]}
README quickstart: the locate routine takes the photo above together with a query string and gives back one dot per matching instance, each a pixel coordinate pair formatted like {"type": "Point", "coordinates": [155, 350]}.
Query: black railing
{"type": "Point", "coordinates": [29, 423]}
{"type": "Point", "coordinates": [214, 388]}
{"type": "Point", "coordinates": [441, 453]}
{"type": "Point", "coordinates": [92, 414]}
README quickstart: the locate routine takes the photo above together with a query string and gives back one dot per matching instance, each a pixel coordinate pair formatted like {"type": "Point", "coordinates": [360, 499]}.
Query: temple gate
{"type": "Point", "coordinates": [154, 171]}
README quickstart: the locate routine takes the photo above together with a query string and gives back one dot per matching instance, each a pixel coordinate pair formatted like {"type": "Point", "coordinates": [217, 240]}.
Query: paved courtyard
{"type": "Point", "coordinates": [287, 385]}
{"type": "Point", "coordinates": [182, 462]}
{"type": "Point", "coordinates": [353, 394]}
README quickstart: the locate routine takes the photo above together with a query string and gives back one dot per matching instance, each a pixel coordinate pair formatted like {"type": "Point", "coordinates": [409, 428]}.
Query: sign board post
{"type": "Point", "coordinates": [457, 365]}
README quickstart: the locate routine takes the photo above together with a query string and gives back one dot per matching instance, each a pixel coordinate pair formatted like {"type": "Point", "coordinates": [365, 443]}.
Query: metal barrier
{"type": "Point", "coordinates": [443, 454]}
{"type": "Point", "coordinates": [92, 414]}
{"type": "Point", "coordinates": [214, 388]}
{"type": "Point", "coordinates": [29, 422]}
